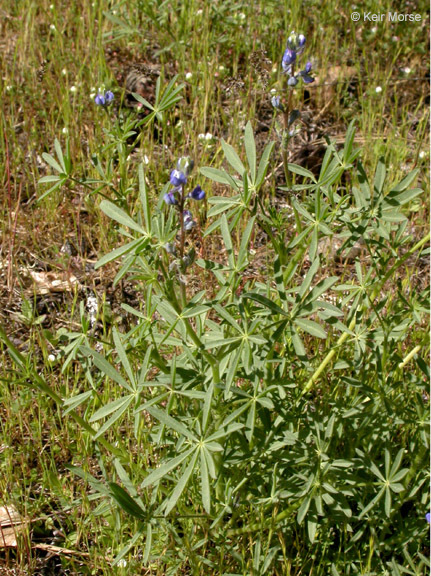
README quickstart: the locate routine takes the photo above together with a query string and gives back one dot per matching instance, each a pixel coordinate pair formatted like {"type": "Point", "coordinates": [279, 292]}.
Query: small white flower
{"type": "Point", "coordinates": [201, 136]}
{"type": "Point", "coordinates": [52, 27]}
{"type": "Point", "coordinates": [52, 358]}
{"type": "Point", "coordinates": [114, 12]}
{"type": "Point", "coordinates": [274, 69]}
{"type": "Point", "coordinates": [92, 308]}
{"type": "Point", "coordinates": [65, 130]}
{"type": "Point", "coordinates": [51, 6]}
{"type": "Point", "coordinates": [208, 136]}
{"type": "Point", "coordinates": [221, 68]}
{"type": "Point", "coordinates": [9, 88]}
{"type": "Point", "coordinates": [378, 89]}
{"type": "Point", "coordinates": [189, 76]}
{"type": "Point", "coordinates": [422, 154]}
{"type": "Point", "coordinates": [145, 159]}
{"type": "Point", "coordinates": [122, 563]}
{"type": "Point", "coordinates": [199, 12]}
{"type": "Point", "coordinates": [374, 29]}
{"type": "Point", "coordinates": [73, 89]}
{"type": "Point", "coordinates": [273, 91]}
{"type": "Point", "coordinates": [241, 16]}
{"type": "Point", "coordinates": [64, 72]}
{"type": "Point", "coordinates": [406, 70]}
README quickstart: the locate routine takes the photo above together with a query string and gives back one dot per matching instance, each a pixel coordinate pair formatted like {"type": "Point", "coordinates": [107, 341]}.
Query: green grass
{"type": "Point", "coordinates": [52, 56]}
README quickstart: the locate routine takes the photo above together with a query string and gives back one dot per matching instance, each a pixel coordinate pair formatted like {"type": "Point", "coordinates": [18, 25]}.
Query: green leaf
{"type": "Point", "coordinates": [263, 164]}
{"type": "Point", "coordinates": [405, 182]}
{"type": "Point", "coordinates": [53, 163]}
{"type": "Point", "coordinates": [165, 468]}
{"type": "Point", "coordinates": [106, 367]}
{"type": "Point", "coordinates": [301, 171]}
{"type": "Point", "coordinates": [303, 509]}
{"type": "Point", "coordinates": [380, 175]}
{"type": "Point", "coordinates": [115, 416]}
{"type": "Point", "coordinates": [265, 302]}
{"type": "Point", "coordinates": [51, 178]}
{"type": "Point", "coordinates": [57, 147]}
{"type": "Point", "coordinates": [220, 176]}
{"type": "Point", "coordinates": [309, 277]}
{"type": "Point", "coordinates": [111, 407]}
{"type": "Point", "coordinates": [125, 501]}
{"type": "Point", "coordinates": [124, 358]}
{"type": "Point", "coordinates": [145, 201]}
{"type": "Point", "coordinates": [250, 150]}
{"type": "Point", "coordinates": [233, 158]}
{"type": "Point", "coordinates": [179, 488]}
{"type": "Point", "coordinates": [311, 327]}
{"type": "Point", "coordinates": [205, 484]}
{"type": "Point", "coordinates": [130, 247]}
{"type": "Point", "coordinates": [170, 422]}
{"type": "Point", "coordinates": [114, 212]}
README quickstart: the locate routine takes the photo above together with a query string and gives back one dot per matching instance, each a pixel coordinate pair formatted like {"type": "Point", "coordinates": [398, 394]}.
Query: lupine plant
{"type": "Point", "coordinates": [276, 425]}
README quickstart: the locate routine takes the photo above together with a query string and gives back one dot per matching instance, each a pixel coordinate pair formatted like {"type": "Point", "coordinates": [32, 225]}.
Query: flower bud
{"type": "Point", "coordinates": [185, 165]}
{"type": "Point", "coordinates": [293, 81]}
{"type": "Point", "coordinates": [197, 193]}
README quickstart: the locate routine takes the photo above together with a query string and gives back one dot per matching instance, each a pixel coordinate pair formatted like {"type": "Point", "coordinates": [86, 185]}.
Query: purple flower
{"type": "Point", "coordinates": [197, 193]}
{"type": "Point", "coordinates": [104, 99]}
{"type": "Point", "coordinates": [293, 81]}
{"type": "Point", "coordinates": [301, 40]}
{"type": "Point", "coordinates": [289, 58]}
{"type": "Point", "coordinates": [178, 178]}
{"type": "Point", "coordinates": [170, 199]}
{"type": "Point", "coordinates": [189, 223]}
{"type": "Point", "coordinates": [428, 517]}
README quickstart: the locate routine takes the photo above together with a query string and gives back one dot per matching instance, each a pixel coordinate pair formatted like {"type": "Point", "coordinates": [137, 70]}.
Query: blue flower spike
{"type": "Point", "coordinates": [428, 517]}
{"type": "Point", "coordinates": [295, 47]}
{"type": "Point", "coordinates": [197, 194]}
